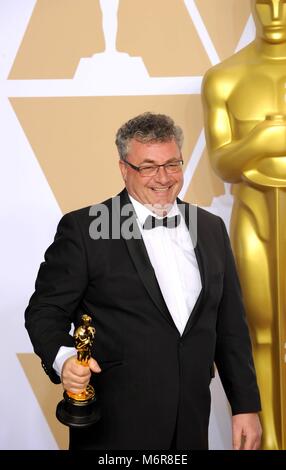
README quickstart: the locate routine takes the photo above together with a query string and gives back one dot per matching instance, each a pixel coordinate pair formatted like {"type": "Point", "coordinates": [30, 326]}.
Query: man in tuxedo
{"type": "Point", "coordinates": [158, 278]}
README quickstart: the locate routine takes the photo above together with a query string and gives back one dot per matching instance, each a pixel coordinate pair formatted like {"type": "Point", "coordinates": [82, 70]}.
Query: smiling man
{"type": "Point", "coordinates": [165, 301]}
{"type": "Point", "coordinates": [152, 170]}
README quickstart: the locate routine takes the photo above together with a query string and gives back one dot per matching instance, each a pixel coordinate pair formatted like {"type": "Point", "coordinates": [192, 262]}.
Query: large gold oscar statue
{"type": "Point", "coordinates": [244, 101]}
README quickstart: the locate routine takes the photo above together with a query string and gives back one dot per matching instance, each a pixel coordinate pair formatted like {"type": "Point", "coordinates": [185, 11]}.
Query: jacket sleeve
{"type": "Point", "coordinates": [233, 350]}
{"type": "Point", "coordinates": [60, 285]}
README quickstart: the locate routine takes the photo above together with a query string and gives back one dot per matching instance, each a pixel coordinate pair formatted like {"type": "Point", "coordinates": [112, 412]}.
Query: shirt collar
{"type": "Point", "coordinates": [142, 212]}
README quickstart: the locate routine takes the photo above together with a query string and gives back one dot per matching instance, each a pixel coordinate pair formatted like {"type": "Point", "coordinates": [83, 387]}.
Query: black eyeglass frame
{"type": "Point", "coordinates": [140, 168]}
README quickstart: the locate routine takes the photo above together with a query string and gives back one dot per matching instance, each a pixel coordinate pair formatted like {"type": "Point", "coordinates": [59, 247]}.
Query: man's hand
{"type": "Point", "coordinates": [246, 431]}
{"type": "Point", "coordinates": [75, 377]}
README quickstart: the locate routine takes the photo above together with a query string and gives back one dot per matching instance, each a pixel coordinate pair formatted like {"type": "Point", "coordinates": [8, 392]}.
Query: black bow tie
{"type": "Point", "coordinates": [168, 222]}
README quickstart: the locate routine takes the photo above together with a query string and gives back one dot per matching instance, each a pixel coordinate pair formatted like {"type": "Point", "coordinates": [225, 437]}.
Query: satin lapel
{"type": "Point", "coordinates": [139, 255]}
{"type": "Point", "coordinates": [189, 213]}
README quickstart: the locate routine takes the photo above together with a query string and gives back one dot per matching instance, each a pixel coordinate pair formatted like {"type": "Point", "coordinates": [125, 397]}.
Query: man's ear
{"type": "Point", "coordinates": [123, 169]}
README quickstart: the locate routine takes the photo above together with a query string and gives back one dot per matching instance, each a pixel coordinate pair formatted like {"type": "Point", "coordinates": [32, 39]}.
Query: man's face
{"type": "Point", "coordinates": [270, 18]}
{"type": "Point", "coordinates": [161, 189]}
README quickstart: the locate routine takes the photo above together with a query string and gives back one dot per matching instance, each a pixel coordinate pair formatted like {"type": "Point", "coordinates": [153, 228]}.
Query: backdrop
{"type": "Point", "coordinates": [71, 72]}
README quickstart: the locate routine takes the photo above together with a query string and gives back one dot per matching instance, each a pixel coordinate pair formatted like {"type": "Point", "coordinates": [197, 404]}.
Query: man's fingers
{"type": "Point", "coordinates": [73, 369]}
{"type": "Point", "coordinates": [78, 379]}
{"type": "Point", "coordinates": [74, 384]}
{"type": "Point", "coordinates": [75, 376]}
{"type": "Point", "coordinates": [80, 370]}
{"type": "Point", "coordinates": [251, 442]}
{"type": "Point", "coordinates": [237, 436]}
{"type": "Point", "coordinates": [93, 365]}
{"type": "Point", "coordinates": [246, 431]}
{"type": "Point", "coordinates": [236, 441]}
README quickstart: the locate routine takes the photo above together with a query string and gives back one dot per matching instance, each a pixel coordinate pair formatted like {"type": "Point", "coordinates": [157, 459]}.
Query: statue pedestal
{"type": "Point", "coordinates": [79, 413]}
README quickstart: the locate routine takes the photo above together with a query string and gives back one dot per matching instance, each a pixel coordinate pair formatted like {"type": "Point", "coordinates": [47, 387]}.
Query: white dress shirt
{"type": "Point", "coordinates": [172, 256]}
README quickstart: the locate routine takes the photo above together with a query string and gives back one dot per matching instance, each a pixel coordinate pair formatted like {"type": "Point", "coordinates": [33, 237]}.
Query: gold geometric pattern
{"type": "Point", "coordinates": [59, 33]}
{"type": "Point", "coordinates": [73, 139]}
{"type": "Point", "coordinates": [163, 34]}
{"type": "Point", "coordinates": [225, 21]}
{"type": "Point", "coordinates": [205, 184]}
{"type": "Point", "coordinates": [47, 394]}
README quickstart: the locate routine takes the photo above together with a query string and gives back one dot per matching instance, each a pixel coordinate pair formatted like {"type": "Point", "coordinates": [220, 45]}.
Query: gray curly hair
{"type": "Point", "coordinates": [147, 127]}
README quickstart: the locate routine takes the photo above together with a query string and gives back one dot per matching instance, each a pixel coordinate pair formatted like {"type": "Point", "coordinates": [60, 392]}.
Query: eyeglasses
{"type": "Point", "coordinates": [152, 170]}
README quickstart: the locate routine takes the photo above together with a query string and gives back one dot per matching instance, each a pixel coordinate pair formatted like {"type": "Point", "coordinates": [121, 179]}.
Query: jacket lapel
{"type": "Point", "coordinates": [190, 213]}
{"type": "Point", "coordinates": [139, 255]}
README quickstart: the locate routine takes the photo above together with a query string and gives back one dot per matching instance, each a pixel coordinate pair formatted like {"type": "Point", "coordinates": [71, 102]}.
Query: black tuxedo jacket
{"type": "Point", "coordinates": [153, 380]}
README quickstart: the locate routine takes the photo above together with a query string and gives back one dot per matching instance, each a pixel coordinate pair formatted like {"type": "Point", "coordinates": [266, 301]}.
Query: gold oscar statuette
{"type": "Point", "coordinates": [80, 409]}
{"type": "Point", "coordinates": [244, 100]}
